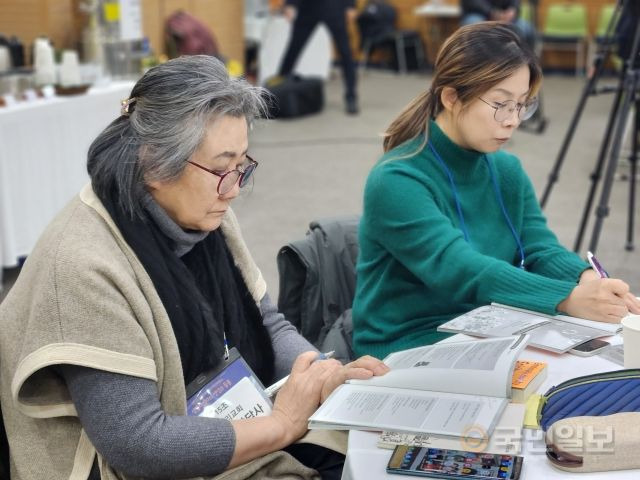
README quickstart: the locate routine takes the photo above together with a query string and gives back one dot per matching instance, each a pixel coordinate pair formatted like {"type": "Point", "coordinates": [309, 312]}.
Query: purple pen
{"type": "Point", "coordinates": [595, 264]}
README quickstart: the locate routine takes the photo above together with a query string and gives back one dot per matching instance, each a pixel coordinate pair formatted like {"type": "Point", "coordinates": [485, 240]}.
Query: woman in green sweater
{"type": "Point", "coordinates": [450, 222]}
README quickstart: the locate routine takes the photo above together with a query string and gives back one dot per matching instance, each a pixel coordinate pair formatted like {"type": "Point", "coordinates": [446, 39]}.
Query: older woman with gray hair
{"type": "Point", "coordinates": [141, 284]}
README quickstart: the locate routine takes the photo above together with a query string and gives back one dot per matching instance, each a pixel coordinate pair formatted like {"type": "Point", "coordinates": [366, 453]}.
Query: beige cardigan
{"type": "Point", "coordinates": [84, 298]}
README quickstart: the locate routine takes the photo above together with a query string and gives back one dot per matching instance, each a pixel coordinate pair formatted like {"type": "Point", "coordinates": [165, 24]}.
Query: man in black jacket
{"type": "Point", "coordinates": [305, 15]}
{"type": "Point", "coordinates": [474, 11]}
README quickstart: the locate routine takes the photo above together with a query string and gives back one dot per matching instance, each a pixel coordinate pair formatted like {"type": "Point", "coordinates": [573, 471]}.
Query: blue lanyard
{"type": "Point", "coordinates": [456, 198]}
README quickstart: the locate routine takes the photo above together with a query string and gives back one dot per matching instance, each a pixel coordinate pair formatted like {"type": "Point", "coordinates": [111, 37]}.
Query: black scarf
{"type": "Point", "coordinates": [204, 295]}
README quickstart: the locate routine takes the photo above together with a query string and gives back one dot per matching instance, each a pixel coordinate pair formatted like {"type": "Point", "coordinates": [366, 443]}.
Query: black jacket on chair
{"type": "Point", "coordinates": [317, 283]}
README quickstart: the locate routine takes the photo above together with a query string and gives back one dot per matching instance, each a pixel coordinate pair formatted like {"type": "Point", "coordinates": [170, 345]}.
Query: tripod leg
{"type": "Point", "coordinates": [597, 172]}
{"type": "Point", "coordinates": [633, 164]}
{"type": "Point", "coordinates": [555, 171]}
{"type": "Point", "coordinates": [598, 63]}
{"type": "Point", "coordinates": [630, 85]}
{"type": "Point", "coordinates": [602, 210]}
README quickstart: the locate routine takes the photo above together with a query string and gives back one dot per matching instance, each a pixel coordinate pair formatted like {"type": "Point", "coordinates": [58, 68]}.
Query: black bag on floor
{"type": "Point", "coordinates": [294, 96]}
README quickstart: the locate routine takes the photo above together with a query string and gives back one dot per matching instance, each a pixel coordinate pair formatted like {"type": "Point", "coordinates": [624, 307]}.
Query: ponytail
{"type": "Point", "coordinates": [412, 121]}
{"type": "Point", "coordinates": [112, 164]}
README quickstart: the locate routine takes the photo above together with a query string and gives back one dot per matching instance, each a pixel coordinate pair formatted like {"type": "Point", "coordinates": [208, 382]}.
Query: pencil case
{"type": "Point", "coordinates": [592, 422]}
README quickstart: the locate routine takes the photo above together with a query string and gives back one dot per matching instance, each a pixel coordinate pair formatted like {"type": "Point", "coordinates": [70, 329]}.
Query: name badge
{"type": "Point", "coordinates": [231, 391]}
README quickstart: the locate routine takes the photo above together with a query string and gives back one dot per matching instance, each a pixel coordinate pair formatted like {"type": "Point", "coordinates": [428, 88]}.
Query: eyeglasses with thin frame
{"type": "Point", "coordinates": [229, 179]}
{"type": "Point", "coordinates": [504, 110]}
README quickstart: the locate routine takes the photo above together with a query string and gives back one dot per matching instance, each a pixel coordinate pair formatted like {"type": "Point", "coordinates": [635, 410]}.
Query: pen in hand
{"type": "Point", "coordinates": [271, 390]}
{"type": "Point", "coordinates": [597, 267]}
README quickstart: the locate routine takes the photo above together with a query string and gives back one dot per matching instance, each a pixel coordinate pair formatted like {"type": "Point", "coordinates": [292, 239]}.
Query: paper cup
{"type": "Point", "coordinates": [631, 336]}
{"type": "Point", "coordinates": [5, 59]}
{"type": "Point", "coordinates": [44, 65]}
{"type": "Point", "coordinates": [69, 69]}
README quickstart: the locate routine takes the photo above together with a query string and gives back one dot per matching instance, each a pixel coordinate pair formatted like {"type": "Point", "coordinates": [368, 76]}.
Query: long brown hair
{"type": "Point", "coordinates": [472, 60]}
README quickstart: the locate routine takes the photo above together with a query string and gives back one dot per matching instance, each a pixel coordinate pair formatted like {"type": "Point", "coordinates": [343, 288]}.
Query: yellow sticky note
{"type": "Point", "coordinates": [111, 11]}
{"type": "Point", "coordinates": [531, 412]}
{"type": "Point", "coordinates": [235, 68]}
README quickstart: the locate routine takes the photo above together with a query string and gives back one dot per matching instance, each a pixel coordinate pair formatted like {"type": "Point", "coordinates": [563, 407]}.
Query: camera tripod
{"type": "Point", "coordinates": [626, 96]}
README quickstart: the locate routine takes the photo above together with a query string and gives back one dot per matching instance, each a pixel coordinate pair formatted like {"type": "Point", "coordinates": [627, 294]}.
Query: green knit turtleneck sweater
{"type": "Point", "coordinates": [416, 270]}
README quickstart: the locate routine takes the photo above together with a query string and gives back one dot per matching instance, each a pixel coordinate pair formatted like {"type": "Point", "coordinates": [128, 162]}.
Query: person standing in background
{"type": "Point", "coordinates": [508, 11]}
{"type": "Point", "coordinates": [305, 15]}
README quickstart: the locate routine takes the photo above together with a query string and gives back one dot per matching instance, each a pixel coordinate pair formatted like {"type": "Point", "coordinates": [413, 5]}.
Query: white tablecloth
{"type": "Point", "coordinates": [366, 461]}
{"type": "Point", "coordinates": [43, 156]}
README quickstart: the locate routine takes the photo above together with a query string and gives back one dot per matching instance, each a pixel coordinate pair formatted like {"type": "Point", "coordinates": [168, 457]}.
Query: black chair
{"type": "Point", "coordinates": [376, 24]}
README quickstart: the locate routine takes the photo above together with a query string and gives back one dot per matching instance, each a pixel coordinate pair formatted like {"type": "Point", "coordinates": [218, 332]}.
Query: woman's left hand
{"type": "Point", "coordinates": [362, 368]}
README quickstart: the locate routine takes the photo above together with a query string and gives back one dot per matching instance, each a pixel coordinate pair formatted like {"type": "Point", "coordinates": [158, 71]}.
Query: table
{"type": "Point", "coordinates": [441, 20]}
{"type": "Point", "coordinates": [365, 460]}
{"type": "Point", "coordinates": [43, 156]}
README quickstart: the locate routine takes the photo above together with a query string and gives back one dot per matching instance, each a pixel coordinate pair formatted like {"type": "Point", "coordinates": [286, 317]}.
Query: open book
{"type": "Point", "coordinates": [557, 334]}
{"type": "Point", "coordinates": [453, 388]}
{"type": "Point", "coordinates": [506, 437]}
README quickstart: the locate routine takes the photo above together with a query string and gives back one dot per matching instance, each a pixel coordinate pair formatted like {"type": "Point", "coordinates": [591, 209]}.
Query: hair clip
{"type": "Point", "coordinates": [125, 105]}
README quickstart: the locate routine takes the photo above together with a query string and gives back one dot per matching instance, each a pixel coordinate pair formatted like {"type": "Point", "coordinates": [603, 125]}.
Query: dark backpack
{"type": "Point", "coordinates": [294, 96]}
{"type": "Point", "coordinates": [186, 35]}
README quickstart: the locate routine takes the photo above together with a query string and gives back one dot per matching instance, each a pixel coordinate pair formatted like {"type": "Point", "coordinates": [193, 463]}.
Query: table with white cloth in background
{"type": "Point", "coordinates": [366, 460]}
{"type": "Point", "coordinates": [43, 157]}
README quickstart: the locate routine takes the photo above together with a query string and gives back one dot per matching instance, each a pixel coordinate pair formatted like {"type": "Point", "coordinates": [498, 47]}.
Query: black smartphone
{"type": "Point", "coordinates": [591, 347]}
{"type": "Point", "coordinates": [453, 464]}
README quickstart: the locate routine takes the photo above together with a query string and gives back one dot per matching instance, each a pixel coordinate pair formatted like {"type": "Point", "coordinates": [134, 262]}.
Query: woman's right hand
{"type": "Point", "coordinates": [296, 401]}
{"type": "Point", "coordinates": [299, 397]}
{"type": "Point", "coordinates": [603, 300]}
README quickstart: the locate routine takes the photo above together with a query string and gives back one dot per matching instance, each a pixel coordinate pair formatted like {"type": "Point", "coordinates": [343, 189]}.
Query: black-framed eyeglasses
{"type": "Point", "coordinates": [229, 179]}
{"type": "Point", "coordinates": [504, 110]}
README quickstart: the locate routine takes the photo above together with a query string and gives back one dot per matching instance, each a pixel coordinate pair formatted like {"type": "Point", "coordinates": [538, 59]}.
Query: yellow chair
{"type": "Point", "coordinates": [565, 28]}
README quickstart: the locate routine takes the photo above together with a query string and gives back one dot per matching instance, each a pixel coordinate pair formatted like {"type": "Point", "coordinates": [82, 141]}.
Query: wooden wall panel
{"type": "Point", "coordinates": [60, 18]}
{"type": "Point", "coordinates": [170, 6]}
{"type": "Point", "coordinates": [226, 20]}
{"type": "Point", "coordinates": [29, 19]}
{"type": "Point", "coordinates": [152, 24]}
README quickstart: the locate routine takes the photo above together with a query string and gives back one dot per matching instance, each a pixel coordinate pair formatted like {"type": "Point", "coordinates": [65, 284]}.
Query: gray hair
{"type": "Point", "coordinates": [169, 111]}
